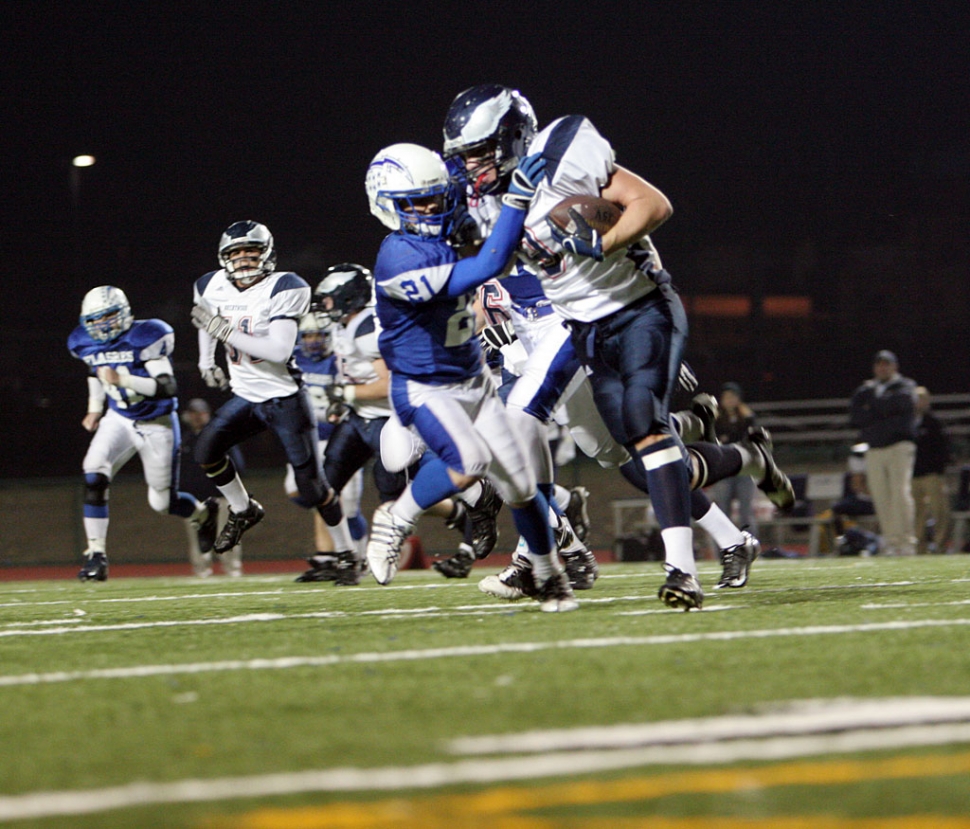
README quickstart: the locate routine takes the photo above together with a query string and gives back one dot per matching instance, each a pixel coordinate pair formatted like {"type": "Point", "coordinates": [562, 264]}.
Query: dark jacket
{"type": "Point", "coordinates": [932, 446]}
{"type": "Point", "coordinates": [887, 418]}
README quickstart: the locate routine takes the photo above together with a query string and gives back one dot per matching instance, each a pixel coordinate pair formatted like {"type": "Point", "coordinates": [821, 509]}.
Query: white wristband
{"type": "Point", "coordinates": [350, 392]}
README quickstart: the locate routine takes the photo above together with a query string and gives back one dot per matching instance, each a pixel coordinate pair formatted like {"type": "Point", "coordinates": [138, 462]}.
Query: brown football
{"type": "Point", "coordinates": [599, 213]}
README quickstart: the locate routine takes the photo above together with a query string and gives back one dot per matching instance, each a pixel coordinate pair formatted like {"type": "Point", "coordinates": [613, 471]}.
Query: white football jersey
{"type": "Point", "coordinates": [356, 348]}
{"type": "Point", "coordinates": [281, 295]}
{"type": "Point", "coordinates": [579, 161]}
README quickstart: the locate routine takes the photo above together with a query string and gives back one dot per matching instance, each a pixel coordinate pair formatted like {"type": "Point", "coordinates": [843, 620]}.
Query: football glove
{"type": "Point", "coordinates": [339, 409]}
{"type": "Point", "coordinates": [217, 327]}
{"type": "Point", "coordinates": [525, 180]}
{"type": "Point", "coordinates": [585, 241]}
{"type": "Point", "coordinates": [687, 379]}
{"type": "Point", "coordinates": [215, 378]}
{"type": "Point", "coordinates": [494, 337]}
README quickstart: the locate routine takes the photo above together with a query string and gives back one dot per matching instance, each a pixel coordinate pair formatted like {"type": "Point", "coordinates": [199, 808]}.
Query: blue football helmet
{"type": "Point", "coordinates": [106, 313]}
{"type": "Point", "coordinates": [344, 290]}
{"type": "Point", "coordinates": [410, 191]}
{"type": "Point", "coordinates": [247, 234]}
{"type": "Point", "coordinates": [495, 123]}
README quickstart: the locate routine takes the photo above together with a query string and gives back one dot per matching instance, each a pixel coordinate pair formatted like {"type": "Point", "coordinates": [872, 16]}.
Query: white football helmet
{"type": "Point", "coordinates": [247, 234]}
{"type": "Point", "coordinates": [105, 313]}
{"type": "Point", "coordinates": [401, 176]}
{"type": "Point", "coordinates": [315, 336]}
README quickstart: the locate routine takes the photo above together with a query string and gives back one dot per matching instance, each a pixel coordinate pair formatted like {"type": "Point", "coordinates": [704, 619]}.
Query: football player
{"type": "Point", "coordinates": [318, 366]}
{"type": "Point", "coordinates": [438, 382]}
{"type": "Point", "coordinates": [254, 311]}
{"type": "Point", "coordinates": [129, 363]}
{"type": "Point", "coordinates": [627, 326]}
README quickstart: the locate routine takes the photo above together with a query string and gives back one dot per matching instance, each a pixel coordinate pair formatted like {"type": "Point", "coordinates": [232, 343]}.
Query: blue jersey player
{"type": "Point", "coordinates": [130, 366]}
{"type": "Point", "coordinates": [438, 381]}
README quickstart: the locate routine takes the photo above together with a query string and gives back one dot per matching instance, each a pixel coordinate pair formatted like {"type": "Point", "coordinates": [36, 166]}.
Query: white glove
{"type": "Point", "coordinates": [216, 326]}
{"type": "Point", "coordinates": [215, 378]}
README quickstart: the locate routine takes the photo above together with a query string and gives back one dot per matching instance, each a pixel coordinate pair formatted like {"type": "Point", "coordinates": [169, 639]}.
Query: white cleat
{"type": "Point", "coordinates": [387, 536]}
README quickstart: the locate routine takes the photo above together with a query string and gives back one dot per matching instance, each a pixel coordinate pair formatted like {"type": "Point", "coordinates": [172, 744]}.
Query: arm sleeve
{"type": "Point", "coordinates": [96, 395]}
{"type": "Point", "coordinates": [207, 350]}
{"type": "Point", "coordinates": [276, 347]}
{"type": "Point", "coordinates": [494, 255]}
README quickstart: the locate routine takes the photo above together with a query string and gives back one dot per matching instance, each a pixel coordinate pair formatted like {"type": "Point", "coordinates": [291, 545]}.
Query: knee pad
{"type": "Point", "coordinates": [310, 484]}
{"type": "Point", "coordinates": [96, 489]}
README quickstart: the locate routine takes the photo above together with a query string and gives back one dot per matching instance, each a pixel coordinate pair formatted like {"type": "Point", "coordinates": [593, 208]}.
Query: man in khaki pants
{"type": "Point", "coordinates": [884, 410]}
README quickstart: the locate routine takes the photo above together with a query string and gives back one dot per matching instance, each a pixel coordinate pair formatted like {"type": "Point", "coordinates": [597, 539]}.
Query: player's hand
{"type": "Point", "coordinates": [215, 378]}
{"type": "Point", "coordinates": [687, 379]}
{"type": "Point", "coordinates": [108, 375]}
{"type": "Point", "coordinates": [339, 409]}
{"type": "Point", "coordinates": [586, 241]}
{"type": "Point", "coordinates": [525, 180]}
{"type": "Point", "coordinates": [217, 326]}
{"type": "Point", "coordinates": [494, 337]}
{"type": "Point", "coordinates": [91, 421]}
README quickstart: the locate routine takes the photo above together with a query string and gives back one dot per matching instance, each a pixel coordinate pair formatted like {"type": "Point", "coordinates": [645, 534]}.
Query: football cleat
{"type": "Point", "coordinates": [387, 536]}
{"type": "Point", "coordinates": [514, 582]}
{"type": "Point", "coordinates": [577, 513]}
{"type": "Point", "coordinates": [482, 515]}
{"type": "Point", "coordinates": [323, 567]}
{"type": "Point", "coordinates": [95, 568]}
{"type": "Point", "coordinates": [555, 595]}
{"type": "Point", "coordinates": [459, 565]}
{"type": "Point", "coordinates": [705, 407]}
{"type": "Point", "coordinates": [237, 524]}
{"type": "Point", "coordinates": [348, 569]}
{"type": "Point", "coordinates": [580, 563]}
{"type": "Point", "coordinates": [737, 561]}
{"type": "Point", "coordinates": [681, 591]}
{"type": "Point", "coordinates": [775, 484]}
{"type": "Point", "coordinates": [206, 530]}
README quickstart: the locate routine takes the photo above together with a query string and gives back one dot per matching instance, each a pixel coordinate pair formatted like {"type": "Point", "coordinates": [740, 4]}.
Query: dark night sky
{"type": "Point", "coordinates": [761, 121]}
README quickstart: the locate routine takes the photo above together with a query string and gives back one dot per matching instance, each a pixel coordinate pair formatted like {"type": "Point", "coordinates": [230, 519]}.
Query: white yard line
{"type": "Point", "coordinates": [465, 651]}
{"type": "Point", "coordinates": [33, 805]}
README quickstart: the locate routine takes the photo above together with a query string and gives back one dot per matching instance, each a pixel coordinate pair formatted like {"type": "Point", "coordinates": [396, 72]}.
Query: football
{"type": "Point", "coordinates": [599, 213]}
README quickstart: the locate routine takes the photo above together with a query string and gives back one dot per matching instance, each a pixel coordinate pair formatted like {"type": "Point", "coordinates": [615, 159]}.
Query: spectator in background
{"type": "Point", "coordinates": [929, 477]}
{"type": "Point", "coordinates": [197, 413]}
{"type": "Point", "coordinates": [733, 421]}
{"type": "Point", "coordinates": [883, 408]}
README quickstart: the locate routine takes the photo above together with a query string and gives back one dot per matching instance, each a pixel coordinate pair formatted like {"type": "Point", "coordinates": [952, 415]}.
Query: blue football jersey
{"type": "Point", "coordinates": [426, 335]}
{"type": "Point", "coordinates": [146, 340]}
{"type": "Point", "coordinates": [317, 375]}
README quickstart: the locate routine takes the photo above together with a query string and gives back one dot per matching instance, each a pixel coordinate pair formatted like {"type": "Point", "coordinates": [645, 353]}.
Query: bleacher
{"type": "Point", "coordinates": [815, 435]}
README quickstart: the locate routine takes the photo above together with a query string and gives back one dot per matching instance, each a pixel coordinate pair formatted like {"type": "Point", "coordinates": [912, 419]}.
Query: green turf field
{"type": "Point", "coordinates": [258, 702]}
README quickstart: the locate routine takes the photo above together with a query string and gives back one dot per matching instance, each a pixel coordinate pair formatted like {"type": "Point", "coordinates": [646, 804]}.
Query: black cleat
{"type": "Point", "coordinates": [459, 565]}
{"type": "Point", "coordinates": [775, 484]}
{"type": "Point", "coordinates": [582, 568]}
{"type": "Point", "coordinates": [737, 561]}
{"type": "Point", "coordinates": [577, 513]}
{"type": "Point", "coordinates": [207, 529]}
{"type": "Point", "coordinates": [482, 516]}
{"type": "Point", "coordinates": [705, 407]}
{"type": "Point", "coordinates": [555, 595]}
{"type": "Point", "coordinates": [349, 568]}
{"type": "Point", "coordinates": [323, 567]}
{"type": "Point", "coordinates": [237, 524]}
{"type": "Point", "coordinates": [95, 568]}
{"type": "Point", "coordinates": [681, 591]}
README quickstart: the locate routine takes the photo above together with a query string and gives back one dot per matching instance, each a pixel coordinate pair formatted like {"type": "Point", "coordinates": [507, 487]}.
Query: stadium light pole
{"type": "Point", "coordinates": [78, 163]}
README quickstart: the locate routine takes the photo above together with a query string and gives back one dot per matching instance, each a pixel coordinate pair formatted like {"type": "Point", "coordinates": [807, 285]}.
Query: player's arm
{"type": "Point", "coordinates": [645, 208]}
{"type": "Point", "coordinates": [96, 397]}
{"type": "Point", "coordinates": [160, 383]}
{"type": "Point", "coordinates": [374, 390]}
{"type": "Point", "coordinates": [276, 346]}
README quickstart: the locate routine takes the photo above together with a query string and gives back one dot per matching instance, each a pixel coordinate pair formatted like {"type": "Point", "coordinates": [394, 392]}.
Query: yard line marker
{"type": "Point", "coordinates": [434, 775]}
{"type": "Point", "coordinates": [461, 651]}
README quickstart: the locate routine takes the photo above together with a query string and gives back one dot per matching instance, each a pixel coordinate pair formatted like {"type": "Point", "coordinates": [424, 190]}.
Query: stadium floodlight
{"type": "Point", "coordinates": [83, 161]}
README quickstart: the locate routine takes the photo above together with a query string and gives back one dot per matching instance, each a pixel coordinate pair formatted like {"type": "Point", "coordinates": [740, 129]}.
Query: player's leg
{"type": "Point", "coordinates": [111, 447]}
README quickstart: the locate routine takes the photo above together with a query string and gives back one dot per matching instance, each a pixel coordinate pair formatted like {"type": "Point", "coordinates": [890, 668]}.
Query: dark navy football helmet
{"type": "Point", "coordinates": [344, 290]}
{"type": "Point", "coordinates": [489, 119]}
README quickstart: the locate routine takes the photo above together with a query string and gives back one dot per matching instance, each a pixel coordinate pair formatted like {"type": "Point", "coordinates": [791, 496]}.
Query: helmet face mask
{"type": "Point", "coordinates": [344, 290]}
{"type": "Point", "coordinates": [246, 271]}
{"type": "Point", "coordinates": [410, 190]}
{"type": "Point", "coordinates": [105, 313]}
{"type": "Point", "coordinates": [488, 118]}
{"type": "Point", "coordinates": [315, 336]}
